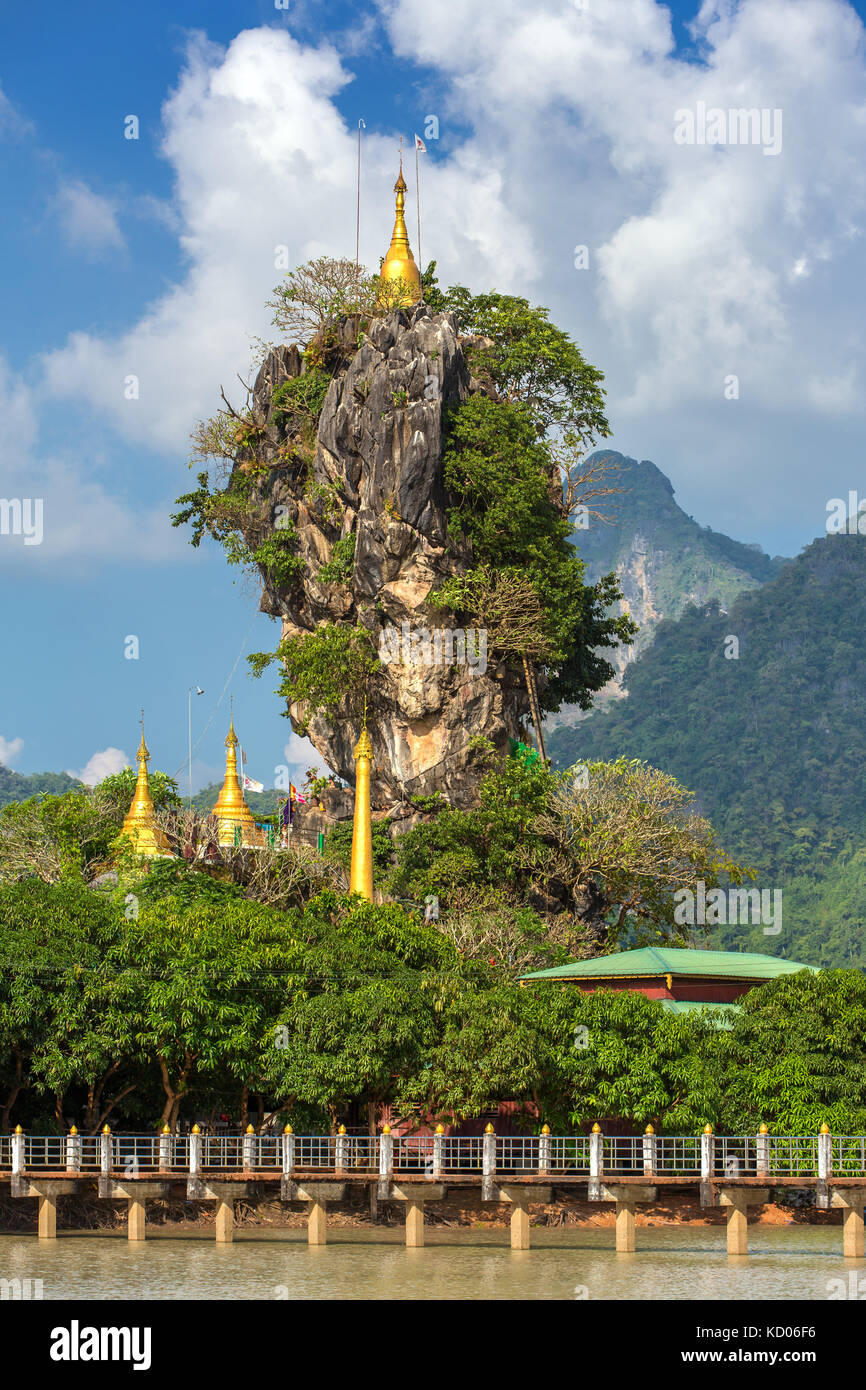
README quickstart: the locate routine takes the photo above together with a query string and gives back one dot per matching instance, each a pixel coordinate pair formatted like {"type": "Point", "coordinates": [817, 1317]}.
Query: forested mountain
{"type": "Point", "coordinates": [15, 786]}
{"type": "Point", "coordinates": [663, 558]}
{"type": "Point", "coordinates": [770, 733]}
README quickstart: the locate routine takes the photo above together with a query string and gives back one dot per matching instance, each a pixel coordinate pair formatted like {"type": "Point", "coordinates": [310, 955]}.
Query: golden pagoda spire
{"type": "Point", "coordinates": [231, 808]}
{"type": "Point", "coordinates": [140, 821]}
{"type": "Point", "coordinates": [361, 875]}
{"type": "Point", "coordinates": [399, 263]}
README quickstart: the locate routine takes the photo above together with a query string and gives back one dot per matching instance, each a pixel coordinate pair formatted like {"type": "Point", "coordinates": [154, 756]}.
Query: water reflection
{"type": "Point", "coordinates": [670, 1263]}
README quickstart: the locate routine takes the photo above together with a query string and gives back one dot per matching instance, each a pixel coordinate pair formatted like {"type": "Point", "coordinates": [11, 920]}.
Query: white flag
{"type": "Point", "coordinates": [419, 145]}
{"type": "Point", "coordinates": [250, 785]}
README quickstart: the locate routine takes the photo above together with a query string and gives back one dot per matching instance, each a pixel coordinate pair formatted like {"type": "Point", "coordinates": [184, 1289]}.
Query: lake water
{"type": "Point", "coordinates": [672, 1262]}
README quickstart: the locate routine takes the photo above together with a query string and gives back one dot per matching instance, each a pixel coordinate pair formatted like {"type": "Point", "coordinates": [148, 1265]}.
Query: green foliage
{"type": "Point", "coordinates": [203, 996]}
{"type": "Point", "coordinates": [120, 786]}
{"type": "Point", "coordinates": [530, 360]}
{"type": "Point", "coordinates": [300, 399]}
{"type": "Point", "coordinates": [16, 786]}
{"type": "Point", "coordinates": [430, 291]}
{"type": "Point", "coordinates": [326, 669]}
{"type": "Point", "coordinates": [54, 838]}
{"type": "Point", "coordinates": [338, 847]}
{"type": "Point", "coordinates": [338, 569]}
{"type": "Point", "coordinates": [277, 557]}
{"type": "Point", "coordinates": [498, 472]}
{"type": "Point", "coordinates": [768, 741]}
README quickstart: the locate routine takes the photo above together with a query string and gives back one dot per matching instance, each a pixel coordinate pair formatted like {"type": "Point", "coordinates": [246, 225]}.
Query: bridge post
{"type": "Point", "coordinates": [596, 1164]}
{"type": "Point", "coordinates": [851, 1201]}
{"type": "Point", "coordinates": [194, 1185]}
{"type": "Point", "coordinates": [708, 1165]}
{"type": "Point", "coordinates": [488, 1164]}
{"type": "Point", "coordinates": [18, 1153]}
{"type": "Point", "coordinates": [386, 1162]}
{"type": "Point", "coordinates": [762, 1152]}
{"type": "Point", "coordinates": [224, 1230]}
{"type": "Point", "coordinates": [737, 1200]}
{"type": "Point", "coordinates": [287, 1185]}
{"type": "Point", "coordinates": [165, 1149]}
{"type": "Point", "coordinates": [825, 1167]}
{"type": "Point", "coordinates": [248, 1149]}
{"type": "Point", "coordinates": [73, 1151]}
{"type": "Point", "coordinates": [136, 1219]}
{"type": "Point", "coordinates": [649, 1152]}
{"type": "Point", "coordinates": [544, 1151]}
{"type": "Point", "coordinates": [437, 1152]}
{"type": "Point", "coordinates": [342, 1150]}
{"type": "Point", "coordinates": [105, 1152]}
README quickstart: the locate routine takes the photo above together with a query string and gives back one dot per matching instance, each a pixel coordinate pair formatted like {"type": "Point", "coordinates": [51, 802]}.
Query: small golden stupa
{"type": "Point", "coordinates": [399, 263]}
{"type": "Point", "coordinates": [140, 822]}
{"type": "Point", "coordinates": [361, 874]}
{"type": "Point", "coordinates": [231, 809]}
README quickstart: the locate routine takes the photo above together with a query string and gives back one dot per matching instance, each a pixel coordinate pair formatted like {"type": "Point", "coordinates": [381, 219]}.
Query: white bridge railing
{"type": "Point", "coordinates": [544, 1157]}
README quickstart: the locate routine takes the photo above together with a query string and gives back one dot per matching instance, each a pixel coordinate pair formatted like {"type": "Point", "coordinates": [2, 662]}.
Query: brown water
{"type": "Point", "coordinates": [673, 1262]}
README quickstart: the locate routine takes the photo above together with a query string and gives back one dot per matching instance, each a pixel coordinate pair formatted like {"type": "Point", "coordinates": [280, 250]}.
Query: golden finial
{"type": "Point", "coordinates": [649, 1130]}
{"type": "Point", "coordinates": [342, 1129]}
{"type": "Point", "coordinates": [489, 1129]}
{"type": "Point", "coordinates": [386, 1129]}
{"type": "Point", "coordinates": [762, 1129]}
{"type": "Point", "coordinates": [399, 263]}
{"type": "Point", "coordinates": [440, 1129]}
{"type": "Point", "coordinates": [250, 1129]}
{"type": "Point", "coordinates": [545, 1129]}
{"type": "Point", "coordinates": [825, 1129]}
{"type": "Point", "coordinates": [105, 1129]}
{"type": "Point", "coordinates": [196, 1130]}
{"type": "Point", "coordinates": [166, 1130]}
{"type": "Point", "coordinates": [708, 1129]}
{"type": "Point", "coordinates": [596, 1129]}
{"type": "Point", "coordinates": [288, 1130]}
{"type": "Point", "coordinates": [73, 1131]}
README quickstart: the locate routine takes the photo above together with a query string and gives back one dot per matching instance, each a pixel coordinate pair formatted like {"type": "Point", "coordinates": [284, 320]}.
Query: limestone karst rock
{"type": "Point", "coordinates": [375, 472]}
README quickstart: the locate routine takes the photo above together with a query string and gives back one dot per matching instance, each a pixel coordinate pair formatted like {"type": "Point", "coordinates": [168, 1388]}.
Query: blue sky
{"type": "Point", "coordinates": [154, 256]}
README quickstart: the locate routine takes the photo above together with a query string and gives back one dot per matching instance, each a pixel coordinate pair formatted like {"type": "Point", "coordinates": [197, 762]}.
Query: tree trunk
{"type": "Point", "coordinates": [534, 706]}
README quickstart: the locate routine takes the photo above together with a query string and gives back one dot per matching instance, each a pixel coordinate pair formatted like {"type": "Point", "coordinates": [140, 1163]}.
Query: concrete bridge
{"type": "Point", "coordinates": [319, 1170]}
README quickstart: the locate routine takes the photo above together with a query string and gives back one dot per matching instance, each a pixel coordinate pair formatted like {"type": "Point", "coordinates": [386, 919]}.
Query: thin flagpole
{"type": "Point", "coordinates": [358, 226]}
{"type": "Point", "coordinates": [418, 202]}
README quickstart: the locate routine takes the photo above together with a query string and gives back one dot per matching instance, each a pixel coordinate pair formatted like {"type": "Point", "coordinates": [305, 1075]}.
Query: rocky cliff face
{"type": "Point", "coordinates": [375, 474]}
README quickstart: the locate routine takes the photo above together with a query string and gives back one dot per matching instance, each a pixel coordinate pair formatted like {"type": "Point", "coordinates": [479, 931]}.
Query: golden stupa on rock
{"type": "Point", "coordinates": [399, 263]}
{"type": "Point", "coordinates": [361, 873]}
{"type": "Point", "coordinates": [231, 809]}
{"type": "Point", "coordinates": [140, 822]}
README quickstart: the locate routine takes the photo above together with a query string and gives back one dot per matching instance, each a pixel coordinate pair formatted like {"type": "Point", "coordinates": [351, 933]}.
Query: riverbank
{"type": "Point", "coordinates": [460, 1211]}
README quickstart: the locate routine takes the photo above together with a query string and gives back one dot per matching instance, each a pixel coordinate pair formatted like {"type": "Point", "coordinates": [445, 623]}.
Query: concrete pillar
{"type": "Point", "coordinates": [738, 1229]}
{"type": "Point", "coordinates": [852, 1232]}
{"type": "Point", "coordinates": [225, 1221]}
{"type": "Point", "coordinates": [625, 1227]}
{"type": "Point", "coordinates": [47, 1228]}
{"type": "Point", "coordinates": [851, 1201]}
{"type": "Point", "coordinates": [414, 1225]}
{"type": "Point", "coordinates": [317, 1224]}
{"type": "Point", "coordinates": [519, 1226]}
{"type": "Point", "coordinates": [135, 1218]}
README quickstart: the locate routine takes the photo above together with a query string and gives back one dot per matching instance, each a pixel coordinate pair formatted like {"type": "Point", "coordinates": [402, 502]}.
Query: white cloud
{"type": "Point", "coordinates": [704, 261]}
{"type": "Point", "coordinates": [262, 159]}
{"type": "Point", "coordinates": [101, 764]}
{"type": "Point", "coordinates": [10, 750]}
{"type": "Point", "coordinates": [83, 518]}
{"type": "Point", "coordinates": [88, 220]}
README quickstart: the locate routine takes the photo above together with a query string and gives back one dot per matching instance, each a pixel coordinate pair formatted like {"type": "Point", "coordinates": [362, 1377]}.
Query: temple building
{"type": "Point", "coordinates": [680, 979]}
{"type": "Point", "coordinates": [139, 824]}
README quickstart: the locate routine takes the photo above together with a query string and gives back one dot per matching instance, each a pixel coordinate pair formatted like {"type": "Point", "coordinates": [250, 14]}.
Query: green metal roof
{"type": "Point", "coordinates": [670, 960]}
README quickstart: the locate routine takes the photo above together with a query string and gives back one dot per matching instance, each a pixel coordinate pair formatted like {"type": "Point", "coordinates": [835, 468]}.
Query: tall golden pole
{"type": "Point", "coordinates": [361, 876]}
